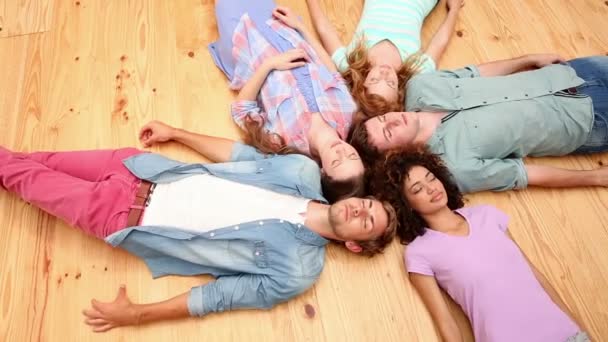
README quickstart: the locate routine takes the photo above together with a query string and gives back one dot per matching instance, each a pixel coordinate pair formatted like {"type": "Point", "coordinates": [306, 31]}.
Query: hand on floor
{"type": "Point", "coordinates": [107, 316]}
{"type": "Point", "coordinates": [155, 132]}
{"type": "Point", "coordinates": [454, 4]}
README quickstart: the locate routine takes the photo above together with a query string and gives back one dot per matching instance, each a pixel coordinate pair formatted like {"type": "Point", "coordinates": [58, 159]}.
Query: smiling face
{"type": "Point", "coordinates": [394, 129]}
{"type": "Point", "coordinates": [382, 80]}
{"type": "Point", "coordinates": [423, 191]}
{"type": "Point", "coordinates": [358, 219]}
{"type": "Point", "coordinates": [341, 161]}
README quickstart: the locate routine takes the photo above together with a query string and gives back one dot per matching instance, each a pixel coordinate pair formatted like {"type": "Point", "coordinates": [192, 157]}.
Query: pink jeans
{"type": "Point", "coordinates": [91, 190]}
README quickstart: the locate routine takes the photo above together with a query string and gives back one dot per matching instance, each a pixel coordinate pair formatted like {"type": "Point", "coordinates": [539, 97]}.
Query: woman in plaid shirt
{"type": "Point", "coordinates": [291, 97]}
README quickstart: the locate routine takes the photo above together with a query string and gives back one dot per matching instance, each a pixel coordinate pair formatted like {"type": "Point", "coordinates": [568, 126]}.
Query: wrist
{"type": "Point", "coordinates": [528, 60]}
{"type": "Point", "coordinates": [267, 66]}
{"type": "Point", "coordinates": [137, 314]}
{"type": "Point", "coordinates": [176, 133]}
{"type": "Point", "coordinates": [453, 10]}
{"type": "Point", "coordinates": [301, 28]}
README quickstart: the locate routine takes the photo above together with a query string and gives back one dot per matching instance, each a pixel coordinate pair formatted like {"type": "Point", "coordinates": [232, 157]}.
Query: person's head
{"type": "Point", "coordinates": [342, 171]}
{"type": "Point", "coordinates": [392, 130]}
{"type": "Point", "coordinates": [365, 225]}
{"type": "Point", "coordinates": [417, 184]}
{"type": "Point", "coordinates": [378, 88]}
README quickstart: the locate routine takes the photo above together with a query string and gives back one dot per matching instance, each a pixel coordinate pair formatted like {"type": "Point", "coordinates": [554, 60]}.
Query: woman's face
{"type": "Point", "coordinates": [341, 161]}
{"type": "Point", "coordinates": [423, 191]}
{"type": "Point", "coordinates": [382, 80]}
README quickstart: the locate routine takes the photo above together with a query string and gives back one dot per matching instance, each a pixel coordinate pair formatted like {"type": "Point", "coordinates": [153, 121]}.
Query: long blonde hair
{"type": "Point", "coordinates": [371, 105]}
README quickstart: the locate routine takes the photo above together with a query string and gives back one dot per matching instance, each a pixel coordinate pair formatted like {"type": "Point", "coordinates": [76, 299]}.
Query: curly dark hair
{"type": "Point", "coordinates": [389, 175]}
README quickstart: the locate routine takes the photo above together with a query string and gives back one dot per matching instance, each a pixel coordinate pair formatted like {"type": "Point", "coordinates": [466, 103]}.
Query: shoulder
{"type": "Point", "coordinates": [300, 161]}
{"type": "Point", "coordinates": [301, 166]}
{"type": "Point", "coordinates": [486, 215]}
{"type": "Point", "coordinates": [418, 255]}
{"type": "Point", "coordinates": [420, 246]}
{"type": "Point", "coordinates": [480, 210]}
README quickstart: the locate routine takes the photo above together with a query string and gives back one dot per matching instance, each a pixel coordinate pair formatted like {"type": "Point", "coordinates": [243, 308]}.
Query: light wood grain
{"type": "Point", "coordinates": [101, 69]}
{"type": "Point", "coordinates": [19, 17]}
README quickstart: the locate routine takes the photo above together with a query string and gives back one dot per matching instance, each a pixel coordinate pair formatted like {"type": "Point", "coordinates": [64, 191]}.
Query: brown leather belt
{"type": "Point", "coordinates": [141, 201]}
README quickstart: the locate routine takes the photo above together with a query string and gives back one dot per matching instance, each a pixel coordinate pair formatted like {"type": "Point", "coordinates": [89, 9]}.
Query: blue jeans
{"type": "Point", "coordinates": [594, 70]}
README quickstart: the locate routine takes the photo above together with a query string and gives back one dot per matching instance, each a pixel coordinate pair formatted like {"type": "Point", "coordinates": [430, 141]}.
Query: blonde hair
{"type": "Point", "coordinates": [371, 105]}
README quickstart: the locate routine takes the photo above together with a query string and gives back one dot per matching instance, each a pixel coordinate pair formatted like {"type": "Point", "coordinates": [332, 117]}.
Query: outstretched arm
{"type": "Point", "coordinates": [122, 312]}
{"type": "Point", "coordinates": [433, 299]}
{"type": "Point", "coordinates": [442, 37]}
{"type": "Point", "coordinates": [549, 176]}
{"type": "Point", "coordinates": [510, 66]}
{"type": "Point", "coordinates": [329, 37]}
{"type": "Point", "coordinates": [216, 149]}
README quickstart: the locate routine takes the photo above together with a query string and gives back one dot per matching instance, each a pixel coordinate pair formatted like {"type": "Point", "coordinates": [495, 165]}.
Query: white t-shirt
{"type": "Point", "coordinates": [204, 202]}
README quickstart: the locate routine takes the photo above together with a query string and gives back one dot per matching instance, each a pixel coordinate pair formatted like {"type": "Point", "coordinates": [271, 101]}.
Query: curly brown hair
{"type": "Point", "coordinates": [388, 177]}
{"type": "Point", "coordinates": [358, 68]}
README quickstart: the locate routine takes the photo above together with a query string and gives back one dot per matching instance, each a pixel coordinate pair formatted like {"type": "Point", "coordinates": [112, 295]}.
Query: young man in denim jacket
{"type": "Point", "coordinates": [258, 223]}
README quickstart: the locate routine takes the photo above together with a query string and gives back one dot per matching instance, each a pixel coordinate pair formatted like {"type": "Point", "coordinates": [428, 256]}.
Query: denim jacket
{"type": "Point", "coordinates": [256, 264]}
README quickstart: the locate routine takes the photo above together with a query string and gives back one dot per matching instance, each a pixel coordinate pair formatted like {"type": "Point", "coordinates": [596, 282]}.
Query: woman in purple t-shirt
{"type": "Point", "coordinates": [468, 253]}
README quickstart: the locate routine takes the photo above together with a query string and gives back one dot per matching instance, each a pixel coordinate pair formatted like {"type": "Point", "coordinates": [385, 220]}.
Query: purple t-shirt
{"type": "Point", "coordinates": [488, 276]}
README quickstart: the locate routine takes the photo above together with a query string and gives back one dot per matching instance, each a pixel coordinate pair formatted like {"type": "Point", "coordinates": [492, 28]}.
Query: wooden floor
{"type": "Point", "coordinates": [87, 74]}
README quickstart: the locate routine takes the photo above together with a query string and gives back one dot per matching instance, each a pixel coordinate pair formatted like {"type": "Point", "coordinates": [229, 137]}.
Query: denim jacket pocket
{"type": "Point", "coordinates": [248, 253]}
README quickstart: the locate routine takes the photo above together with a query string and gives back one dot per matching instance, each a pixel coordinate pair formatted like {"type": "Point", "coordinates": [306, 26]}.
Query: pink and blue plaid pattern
{"type": "Point", "coordinates": [280, 103]}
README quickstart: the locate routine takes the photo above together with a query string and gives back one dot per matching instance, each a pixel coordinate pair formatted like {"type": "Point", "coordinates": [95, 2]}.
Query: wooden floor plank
{"type": "Point", "coordinates": [98, 70]}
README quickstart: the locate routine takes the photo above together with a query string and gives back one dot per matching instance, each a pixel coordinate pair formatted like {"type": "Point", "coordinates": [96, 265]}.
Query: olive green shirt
{"type": "Point", "coordinates": [496, 121]}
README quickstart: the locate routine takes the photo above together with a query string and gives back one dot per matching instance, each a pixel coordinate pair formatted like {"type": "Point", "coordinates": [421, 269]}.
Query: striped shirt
{"type": "Point", "coordinates": [397, 21]}
{"type": "Point", "coordinates": [281, 102]}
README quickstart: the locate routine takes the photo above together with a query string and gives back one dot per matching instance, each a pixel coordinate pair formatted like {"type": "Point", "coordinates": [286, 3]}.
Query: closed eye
{"type": "Point", "coordinates": [387, 134]}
